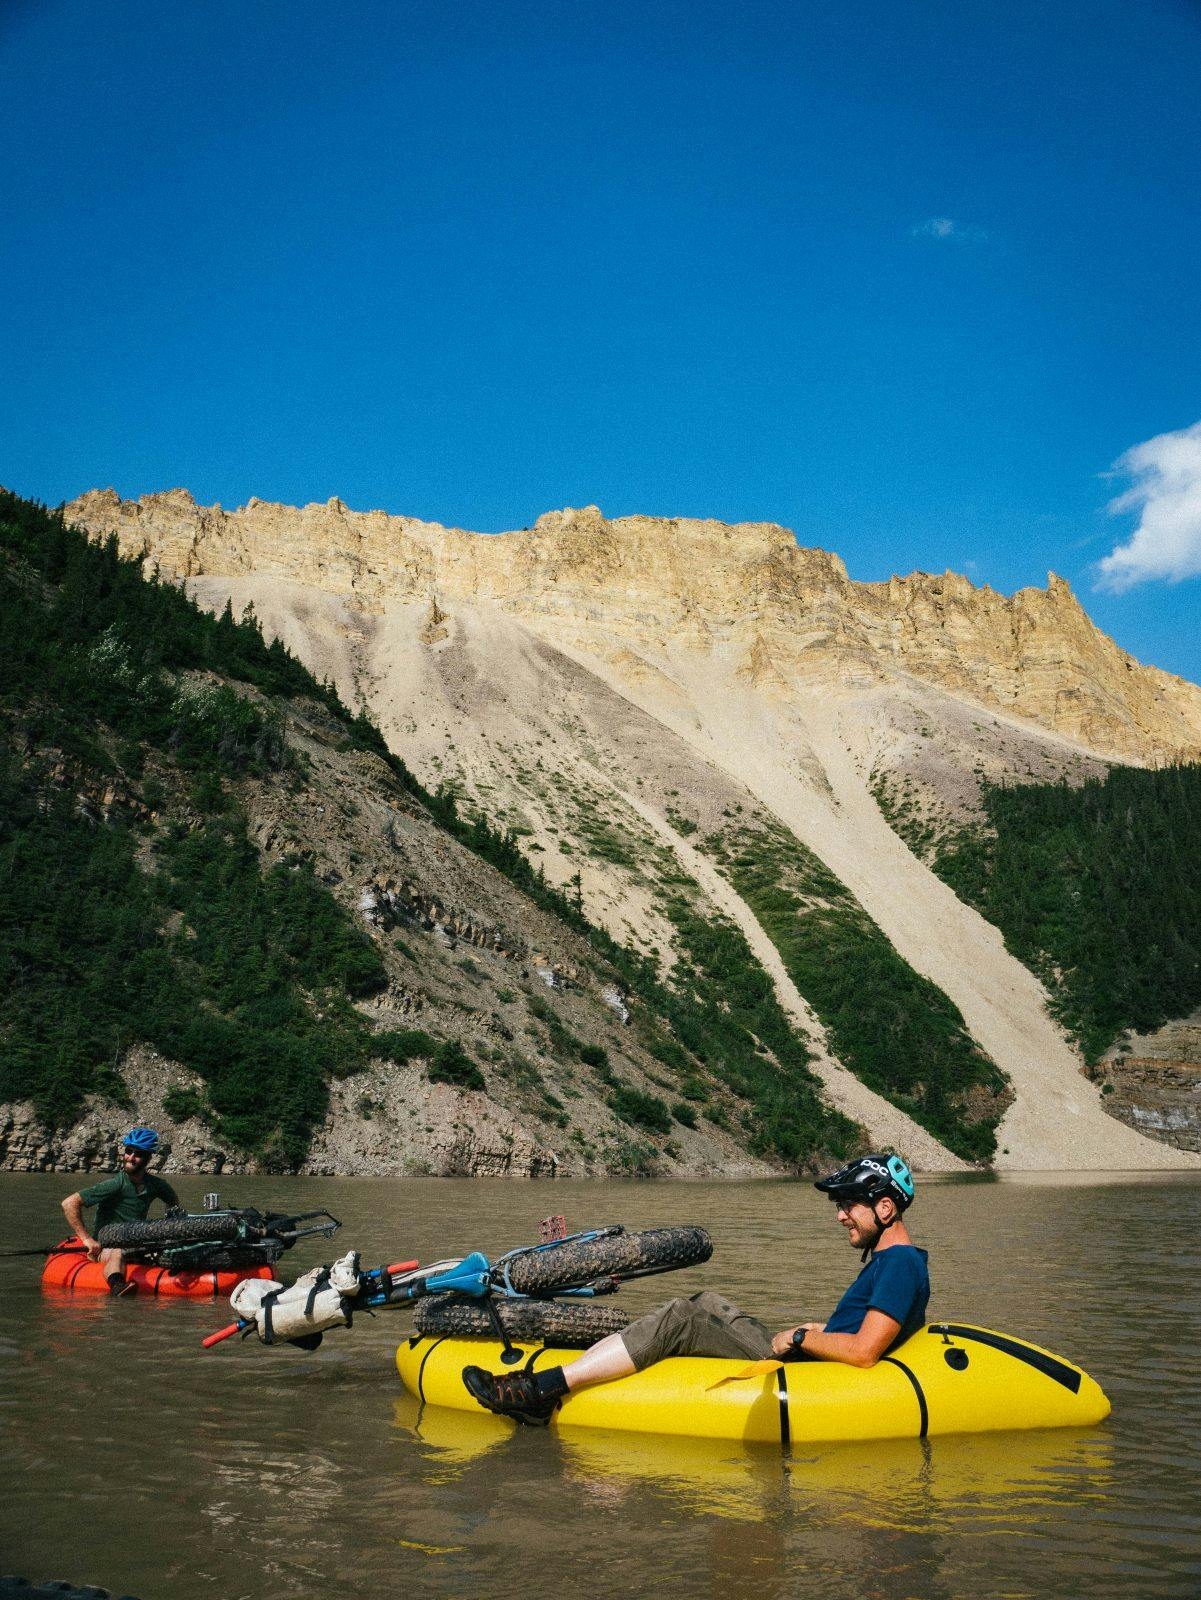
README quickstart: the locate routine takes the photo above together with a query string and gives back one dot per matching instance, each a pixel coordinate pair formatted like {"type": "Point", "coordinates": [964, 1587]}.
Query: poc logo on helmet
{"type": "Point", "coordinates": [870, 1178]}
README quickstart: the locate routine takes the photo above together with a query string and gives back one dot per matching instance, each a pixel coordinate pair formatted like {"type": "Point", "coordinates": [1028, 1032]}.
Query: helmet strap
{"type": "Point", "coordinates": [881, 1229]}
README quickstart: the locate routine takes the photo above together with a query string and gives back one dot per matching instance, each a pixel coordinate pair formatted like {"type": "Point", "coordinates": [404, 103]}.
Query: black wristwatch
{"type": "Point", "coordinates": [798, 1338]}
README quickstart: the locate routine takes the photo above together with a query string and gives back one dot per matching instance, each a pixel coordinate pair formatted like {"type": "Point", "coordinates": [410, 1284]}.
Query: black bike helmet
{"type": "Point", "coordinates": [870, 1178]}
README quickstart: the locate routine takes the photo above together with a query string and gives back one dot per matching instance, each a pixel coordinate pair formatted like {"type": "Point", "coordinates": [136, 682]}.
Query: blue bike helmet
{"type": "Point", "coordinates": [143, 1139]}
{"type": "Point", "coordinates": [870, 1178]}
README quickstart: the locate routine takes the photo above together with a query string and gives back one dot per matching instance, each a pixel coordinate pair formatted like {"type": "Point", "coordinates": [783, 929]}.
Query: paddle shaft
{"type": "Point", "coordinates": [227, 1333]}
{"type": "Point", "coordinates": [45, 1250]}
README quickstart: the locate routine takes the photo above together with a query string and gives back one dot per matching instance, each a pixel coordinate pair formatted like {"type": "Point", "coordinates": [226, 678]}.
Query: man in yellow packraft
{"type": "Point", "coordinates": [885, 1304]}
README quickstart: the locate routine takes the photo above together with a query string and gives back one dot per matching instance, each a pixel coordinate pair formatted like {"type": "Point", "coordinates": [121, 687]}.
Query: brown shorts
{"type": "Point", "coordinates": [704, 1325]}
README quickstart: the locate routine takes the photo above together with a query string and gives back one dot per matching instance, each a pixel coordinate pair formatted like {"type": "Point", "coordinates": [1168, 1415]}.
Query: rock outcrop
{"type": "Point", "coordinates": [622, 692]}
{"type": "Point", "coordinates": [1155, 1082]}
{"type": "Point", "coordinates": [782, 615]}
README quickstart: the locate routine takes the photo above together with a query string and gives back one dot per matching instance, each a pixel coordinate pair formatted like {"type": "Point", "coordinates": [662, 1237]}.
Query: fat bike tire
{"type": "Point", "coordinates": [168, 1230]}
{"type": "Point", "coordinates": [620, 1255]}
{"type": "Point", "coordinates": [574, 1325]}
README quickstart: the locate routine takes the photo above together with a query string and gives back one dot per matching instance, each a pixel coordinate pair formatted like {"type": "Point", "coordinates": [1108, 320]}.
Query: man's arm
{"type": "Point", "coordinates": [862, 1349]}
{"type": "Point", "coordinates": [73, 1211]}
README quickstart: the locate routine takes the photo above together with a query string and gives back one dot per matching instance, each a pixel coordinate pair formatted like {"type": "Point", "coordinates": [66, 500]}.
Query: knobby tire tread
{"type": "Point", "coordinates": [570, 1265]}
{"type": "Point", "coordinates": [168, 1230]}
{"type": "Point", "coordinates": [549, 1321]}
{"type": "Point", "coordinates": [231, 1258]}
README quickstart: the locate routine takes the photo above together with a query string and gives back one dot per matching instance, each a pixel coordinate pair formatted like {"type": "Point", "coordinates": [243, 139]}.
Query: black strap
{"type": "Point", "coordinates": [319, 1283]}
{"type": "Point", "coordinates": [498, 1327]}
{"type": "Point", "coordinates": [785, 1421]}
{"type": "Point", "coordinates": [348, 1309]}
{"type": "Point", "coordinates": [441, 1339]}
{"type": "Point", "coordinates": [265, 1305]}
{"type": "Point", "coordinates": [923, 1411]}
{"type": "Point", "coordinates": [508, 1354]}
{"type": "Point", "coordinates": [881, 1229]}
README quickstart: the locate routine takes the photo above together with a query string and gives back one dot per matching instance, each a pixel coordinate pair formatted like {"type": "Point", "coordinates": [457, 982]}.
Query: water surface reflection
{"type": "Point", "coordinates": [137, 1461]}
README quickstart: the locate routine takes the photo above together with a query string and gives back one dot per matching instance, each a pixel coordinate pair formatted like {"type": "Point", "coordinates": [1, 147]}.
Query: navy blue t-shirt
{"type": "Point", "coordinates": [895, 1281]}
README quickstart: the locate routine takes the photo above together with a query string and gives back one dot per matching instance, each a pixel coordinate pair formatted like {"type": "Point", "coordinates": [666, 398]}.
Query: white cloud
{"type": "Point", "coordinates": [1166, 493]}
{"type": "Point", "coordinates": [945, 228]}
{"type": "Point", "coordinates": [936, 228]}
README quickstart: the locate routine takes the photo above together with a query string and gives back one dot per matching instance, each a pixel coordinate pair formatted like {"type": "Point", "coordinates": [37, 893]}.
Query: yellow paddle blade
{"type": "Point", "coordinates": [757, 1369]}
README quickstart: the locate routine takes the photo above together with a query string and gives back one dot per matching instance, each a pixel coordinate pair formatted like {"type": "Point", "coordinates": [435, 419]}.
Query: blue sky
{"type": "Point", "coordinates": [908, 279]}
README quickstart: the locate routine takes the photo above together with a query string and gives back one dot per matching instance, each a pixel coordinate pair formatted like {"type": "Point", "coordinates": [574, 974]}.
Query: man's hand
{"type": "Point", "coordinates": [73, 1211]}
{"type": "Point", "coordinates": [782, 1342]}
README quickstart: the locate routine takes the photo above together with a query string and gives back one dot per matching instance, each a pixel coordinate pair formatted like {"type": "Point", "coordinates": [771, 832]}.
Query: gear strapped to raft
{"type": "Point", "coordinates": [573, 1268]}
{"type": "Point", "coordinates": [326, 1297]}
{"type": "Point", "coordinates": [199, 1241]}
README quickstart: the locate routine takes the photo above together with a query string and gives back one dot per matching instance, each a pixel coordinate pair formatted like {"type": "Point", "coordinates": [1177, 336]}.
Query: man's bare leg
{"type": "Point", "coordinates": [698, 1325]}
{"type": "Point", "coordinates": [112, 1264]}
{"type": "Point", "coordinates": [600, 1363]}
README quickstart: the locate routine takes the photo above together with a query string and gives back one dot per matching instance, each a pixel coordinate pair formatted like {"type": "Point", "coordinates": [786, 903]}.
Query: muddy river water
{"type": "Point", "coordinates": [134, 1460]}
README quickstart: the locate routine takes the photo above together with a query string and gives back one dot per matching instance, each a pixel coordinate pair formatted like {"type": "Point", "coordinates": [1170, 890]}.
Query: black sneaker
{"type": "Point", "coordinates": [510, 1394]}
{"type": "Point", "coordinates": [120, 1286]}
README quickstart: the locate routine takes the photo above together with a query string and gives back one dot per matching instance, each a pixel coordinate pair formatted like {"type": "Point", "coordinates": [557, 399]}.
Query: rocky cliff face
{"type": "Point", "coordinates": [781, 615]}
{"type": "Point", "coordinates": [636, 698]}
{"type": "Point", "coordinates": [1155, 1081]}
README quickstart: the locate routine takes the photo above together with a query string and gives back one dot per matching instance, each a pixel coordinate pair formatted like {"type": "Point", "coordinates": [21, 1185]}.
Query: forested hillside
{"type": "Point", "coordinates": [124, 687]}
{"type": "Point", "coordinates": [1097, 888]}
{"type": "Point", "coordinates": [895, 1029]}
{"type": "Point", "coordinates": [629, 697]}
{"type": "Point", "coordinates": [164, 880]}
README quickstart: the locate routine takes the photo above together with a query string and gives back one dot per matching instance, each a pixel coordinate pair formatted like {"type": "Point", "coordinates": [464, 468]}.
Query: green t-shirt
{"type": "Point", "coordinates": [118, 1200]}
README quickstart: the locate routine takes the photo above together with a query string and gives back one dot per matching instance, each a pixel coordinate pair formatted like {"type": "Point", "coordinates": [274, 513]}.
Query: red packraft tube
{"type": "Point", "coordinates": [68, 1267]}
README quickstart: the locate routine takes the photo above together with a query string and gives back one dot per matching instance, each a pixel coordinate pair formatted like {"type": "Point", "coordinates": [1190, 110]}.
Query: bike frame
{"type": "Point", "coordinates": [471, 1277]}
{"type": "Point", "coordinates": [254, 1228]}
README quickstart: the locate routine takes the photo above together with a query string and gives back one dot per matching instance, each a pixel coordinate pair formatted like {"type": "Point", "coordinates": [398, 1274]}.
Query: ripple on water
{"type": "Point", "coordinates": [140, 1462]}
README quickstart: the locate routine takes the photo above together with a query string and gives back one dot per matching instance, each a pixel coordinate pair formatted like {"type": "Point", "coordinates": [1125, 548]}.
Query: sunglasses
{"type": "Point", "coordinates": [845, 1205]}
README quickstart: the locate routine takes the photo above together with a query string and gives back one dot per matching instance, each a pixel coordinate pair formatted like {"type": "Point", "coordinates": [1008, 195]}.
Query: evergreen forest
{"type": "Point", "coordinates": [897, 1031]}
{"type": "Point", "coordinates": [1097, 888]}
{"type": "Point", "coordinates": [146, 915]}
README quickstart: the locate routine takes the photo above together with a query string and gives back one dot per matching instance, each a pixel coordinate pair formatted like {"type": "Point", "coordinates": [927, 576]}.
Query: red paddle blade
{"type": "Point", "coordinates": [225, 1333]}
